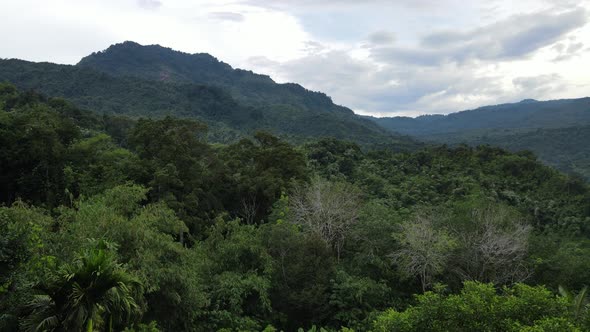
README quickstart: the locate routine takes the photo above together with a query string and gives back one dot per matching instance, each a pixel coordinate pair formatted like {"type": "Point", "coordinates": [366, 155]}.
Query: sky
{"type": "Point", "coordinates": [377, 57]}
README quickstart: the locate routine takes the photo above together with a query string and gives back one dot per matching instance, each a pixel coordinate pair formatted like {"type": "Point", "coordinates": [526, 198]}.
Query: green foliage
{"type": "Point", "coordinates": [23, 257]}
{"type": "Point", "coordinates": [303, 267]}
{"type": "Point", "coordinates": [92, 291]}
{"type": "Point", "coordinates": [239, 274]}
{"type": "Point", "coordinates": [259, 171]}
{"type": "Point", "coordinates": [561, 260]}
{"type": "Point", "coordinates": [33, 142]}
{"type": "Point", "coordinates": [353, 298]}
{"type": "Point", "coordinates": [151, 327]}
{"type": "Point", "coordinates": [98, 164]}
{"type": "Point", "coordinates": [479, 307]}
{"type": "Point", "coordinates": [261, 234]}
{"type": "Point", "coordinates": [557, 131]}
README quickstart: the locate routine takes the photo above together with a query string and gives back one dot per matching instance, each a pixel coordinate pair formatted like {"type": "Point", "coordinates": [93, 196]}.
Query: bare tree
{"type": "Point", "coordinates": [328, 209]}
{"type": "Point", "coordinates": [424, 248]}
{"type": "Point", "coordinates": [249, 209]}
{"type": "Point", "coordinates": [494, 247]}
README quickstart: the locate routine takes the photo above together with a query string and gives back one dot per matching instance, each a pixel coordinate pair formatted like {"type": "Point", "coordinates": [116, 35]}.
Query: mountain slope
{"type": "Point", "coordinates": [566, 149]}
{"type": "Point", "coordinates": [195, 86]}
{"type": "Point", "coordinates": [155, 62]}
{"type": "Point", "coordinates": [557, 131]}
{"type": "Point", "coordinates": [526, 114]}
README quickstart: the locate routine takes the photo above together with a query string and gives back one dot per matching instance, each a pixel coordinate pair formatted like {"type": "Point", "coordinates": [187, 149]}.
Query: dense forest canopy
{"type": "Point", "coordinates": [556, 130]}
{"type": "Point", "coordinates": [110, 223]}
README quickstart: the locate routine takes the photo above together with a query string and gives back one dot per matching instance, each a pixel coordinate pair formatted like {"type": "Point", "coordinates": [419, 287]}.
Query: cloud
{"type": "Point", "coordinates": [568, 50]}
{"type": "Point", "coordinates": [393, 89]}
{"type": "Point", "coordinates": [539, 86]}
{"type": "Point", "coordinates": [511, 38]}
{"type": "Point", "coordinates": [419, 4]}
{"type": "Point", "coordinates": [313, 47]}
{"type": "Point", "coordinates": [381, 37]}
{"type": "Point", "coordinates": [360, 84]}
{"type": "Point", "coordinates": [149, 4]}
{"type": "Point", "coordinates": [227, 16]}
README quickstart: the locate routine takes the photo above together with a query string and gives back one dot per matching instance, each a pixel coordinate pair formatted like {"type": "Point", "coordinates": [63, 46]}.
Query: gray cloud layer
{"type": "Point", "coordinates": [443, 73]}
{"type": "Point", "coordinates": [512, 38]}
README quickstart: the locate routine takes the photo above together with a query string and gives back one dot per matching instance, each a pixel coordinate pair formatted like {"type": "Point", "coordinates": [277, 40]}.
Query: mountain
{"type": "Point", "coordinates": [154, 81]}
{"type": "Point", "coordinates": [566, 149]}
{"type": "Point", "coordinates": [557, 131]}
{"type": "Point", "coordinates": [527, 114]}
{"type": "Point", "coordinates": [154, 62]}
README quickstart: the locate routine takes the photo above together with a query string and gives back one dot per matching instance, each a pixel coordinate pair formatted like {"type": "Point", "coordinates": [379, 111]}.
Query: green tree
{"type": "Point", "coordinates": [303, 268]}
{"type": "Point", "coordinates": [92, 290]}
{"type": "Point", "coordinates": [578, 302]}
{"type": "Point", "coordinates": [480, 307]}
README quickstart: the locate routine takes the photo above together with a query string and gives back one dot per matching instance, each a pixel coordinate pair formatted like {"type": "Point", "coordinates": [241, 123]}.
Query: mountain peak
{"type": "Point", "coordinates": [155, 62]}
{"type": "Point", "coordinates": [528, 100]}
{"type": "Point", "coordinates": [132, 46]}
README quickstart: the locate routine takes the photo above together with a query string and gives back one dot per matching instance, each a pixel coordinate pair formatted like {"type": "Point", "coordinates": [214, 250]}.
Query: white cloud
{"type": "Point", "coordinates": [149, 4]}
{"type": "Point", "coordinates": [64, 31]}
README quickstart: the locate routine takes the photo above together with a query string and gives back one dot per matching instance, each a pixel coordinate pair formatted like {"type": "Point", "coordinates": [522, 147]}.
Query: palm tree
{"type": "Point", "coordinates": [577, 302]}
{"type": "Point", "coordinates": [93, 289]}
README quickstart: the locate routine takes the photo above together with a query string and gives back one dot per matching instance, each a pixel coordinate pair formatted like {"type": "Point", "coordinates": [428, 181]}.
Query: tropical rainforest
{"type": "Point", "coordinates": [135, 204]}
{"type": "Point", "coordinates": [557, 131]}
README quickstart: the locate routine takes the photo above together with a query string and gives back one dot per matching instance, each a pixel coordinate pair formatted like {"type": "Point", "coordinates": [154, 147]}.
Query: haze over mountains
{"type": "Point", "coordinates": [155, 81]}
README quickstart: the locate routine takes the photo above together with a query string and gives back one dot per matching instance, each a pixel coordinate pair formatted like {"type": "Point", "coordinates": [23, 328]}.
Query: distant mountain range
{"type": "Point", "coordinates": [557, 131]}
{"type": "Point", "coordinates": [527, 114]}
{"type": "Point", "coordinates": [155, 81]}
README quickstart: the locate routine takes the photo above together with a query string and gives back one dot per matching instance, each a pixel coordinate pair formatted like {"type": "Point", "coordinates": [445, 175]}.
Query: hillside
{"type": "Point", "coordinates": [232, 102]}
{"type": "Point", "coordinates": [166, 232]}
{"type": "Point", "coordinates": [557, 131]}
{"type": "Point", "coordinates": [566, 149]}
{"type": "Point", "coordinates": [527, 114]}
{"type": "Point", "coordinates": [154, 62]}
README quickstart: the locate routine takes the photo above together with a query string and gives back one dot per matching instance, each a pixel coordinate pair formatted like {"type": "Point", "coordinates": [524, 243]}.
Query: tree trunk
{"type": "Point", "coordinates": [89, 325]}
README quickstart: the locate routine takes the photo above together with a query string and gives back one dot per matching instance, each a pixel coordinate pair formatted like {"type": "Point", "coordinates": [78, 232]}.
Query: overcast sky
{"type": "Point", "coordinates": [379, 57]}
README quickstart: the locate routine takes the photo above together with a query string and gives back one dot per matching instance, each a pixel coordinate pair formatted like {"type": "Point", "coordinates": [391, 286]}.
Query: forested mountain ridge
{"type": "Point", "coordinates": [556, 130]}
{"type": "Point", "coordinates": [527, 114]}
{"type": "Point", "coordinates": [155, 62]}
{"type": "Point", "coordinates": [566, 149]}
{"type": "Point", "coordinates": [198, 86]}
